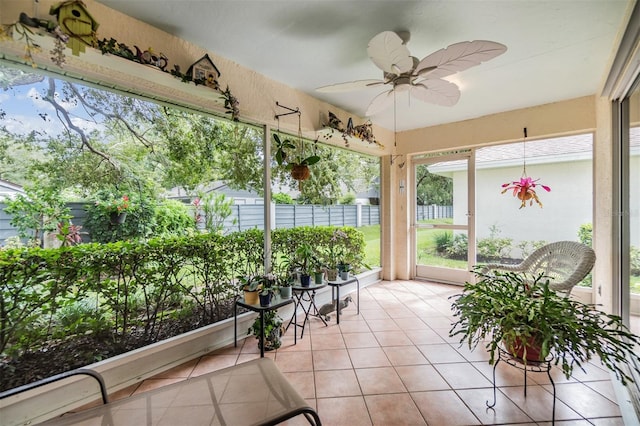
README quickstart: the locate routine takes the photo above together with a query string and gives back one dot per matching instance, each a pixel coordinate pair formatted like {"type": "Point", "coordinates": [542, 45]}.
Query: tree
{"type": "Point", "coordinates": [37, 211]}
{"type": "Point", "coordinates": [432, 188]}
{"type": "Point", "coordinates": [96, 139]}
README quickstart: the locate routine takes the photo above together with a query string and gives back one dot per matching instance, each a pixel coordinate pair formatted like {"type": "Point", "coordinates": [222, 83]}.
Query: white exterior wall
{"type": "Point", "coordinates": [566, 207]}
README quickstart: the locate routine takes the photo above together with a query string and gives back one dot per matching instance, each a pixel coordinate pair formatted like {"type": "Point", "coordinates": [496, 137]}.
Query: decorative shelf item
{"type": "Point", "coordinates": [113, 65]}
{"type": "Point", "coordinates": [350, 133]}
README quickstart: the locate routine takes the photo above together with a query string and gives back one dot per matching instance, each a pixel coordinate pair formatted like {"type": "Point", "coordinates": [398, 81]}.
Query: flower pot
{"type": "Point", "coordinates": [344, 275]}
{"type": "Point", "coordinates": [332, 274]}
{"type": "Point", "coordinates": [516, 348]}
{"type": "Point", "coordinates": [285, 292]}
{"type": "Point", "coordinates": [300, 172]}
{"type": "Point", "coordinates": [251, 297]}
{"type": "Point", "coordinates": [318, 276]}
{"type": "Point", "coordinates": [305, 280]}
{"type": "Point", "coordinates": [265, 299]}
{"type": "Point", "coordinates": [272, 340]}
{"type": "Point", "coordinates": [117, 218]}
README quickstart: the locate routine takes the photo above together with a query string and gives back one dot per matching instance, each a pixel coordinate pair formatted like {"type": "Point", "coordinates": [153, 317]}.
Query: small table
{"type": "Point", "coordinates": [299, 293]}
{"type": "Point", "coordinates": [335, 286]}
{"type": "Point", "coordinates": [276, 302]}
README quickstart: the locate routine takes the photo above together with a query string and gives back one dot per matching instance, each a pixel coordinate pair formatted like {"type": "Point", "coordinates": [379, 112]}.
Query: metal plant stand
{"type": "Point", "coordinates": [531, 366]}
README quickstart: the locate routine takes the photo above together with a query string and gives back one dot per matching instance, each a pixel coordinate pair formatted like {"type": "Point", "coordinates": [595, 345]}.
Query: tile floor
{"type": "Point", "coordinates": [394, 364]}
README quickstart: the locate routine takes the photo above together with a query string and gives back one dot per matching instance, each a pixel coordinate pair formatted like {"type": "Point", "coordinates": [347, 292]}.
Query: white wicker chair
{"type": "Point", "coordinates": [566, 263]}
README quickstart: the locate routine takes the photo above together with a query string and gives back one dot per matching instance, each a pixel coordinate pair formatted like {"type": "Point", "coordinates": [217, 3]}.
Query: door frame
{"type": "Point", "coordinates": [434, 273]}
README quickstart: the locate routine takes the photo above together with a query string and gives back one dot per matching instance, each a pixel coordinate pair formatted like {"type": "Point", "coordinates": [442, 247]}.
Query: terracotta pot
{"type": "Point", "coordinates": [516, 348]}
{"type": "Point", "coordinates": [525, 196]}
{"type": "Point", "coordinates": [300, 172]}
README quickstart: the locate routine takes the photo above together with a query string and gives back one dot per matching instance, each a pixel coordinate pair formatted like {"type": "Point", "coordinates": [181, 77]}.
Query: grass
{"type": "Point", "coordinates": [372, 244]}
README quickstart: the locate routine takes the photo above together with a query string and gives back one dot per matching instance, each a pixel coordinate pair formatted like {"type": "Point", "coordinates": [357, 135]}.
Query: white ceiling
{"type": "Point", "coordinates": [556, 50]}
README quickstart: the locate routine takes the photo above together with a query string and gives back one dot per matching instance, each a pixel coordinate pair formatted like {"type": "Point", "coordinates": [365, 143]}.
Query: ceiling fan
{"type": "Point", "coordinates": [421, 78]}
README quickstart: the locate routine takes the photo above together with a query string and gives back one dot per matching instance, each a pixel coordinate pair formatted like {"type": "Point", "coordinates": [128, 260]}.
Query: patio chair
{"type": "Point", "coordinates": [566, 263]}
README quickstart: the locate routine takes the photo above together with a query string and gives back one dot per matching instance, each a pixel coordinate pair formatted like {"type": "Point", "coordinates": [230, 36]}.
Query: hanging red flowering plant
{"type": "Point", "coordinates": [524, 189]}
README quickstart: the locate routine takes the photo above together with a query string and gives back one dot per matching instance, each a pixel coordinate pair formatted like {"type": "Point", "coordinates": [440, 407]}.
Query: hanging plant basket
{"type": "Point", "coordinates": [300, 172]}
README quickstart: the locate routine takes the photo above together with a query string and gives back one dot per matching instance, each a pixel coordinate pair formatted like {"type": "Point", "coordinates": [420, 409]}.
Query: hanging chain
{"type": "Point", "coordinates": [524, 153]}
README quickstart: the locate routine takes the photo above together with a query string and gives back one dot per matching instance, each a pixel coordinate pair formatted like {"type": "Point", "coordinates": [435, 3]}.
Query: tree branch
{"type": "Point", "coordinates": [64, 116]}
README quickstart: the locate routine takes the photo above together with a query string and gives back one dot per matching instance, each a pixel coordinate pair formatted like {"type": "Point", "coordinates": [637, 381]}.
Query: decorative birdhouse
{"type": "Point", "coordinates": [204, 71]}
{"type": "Point", "coordinates": [75, 20]}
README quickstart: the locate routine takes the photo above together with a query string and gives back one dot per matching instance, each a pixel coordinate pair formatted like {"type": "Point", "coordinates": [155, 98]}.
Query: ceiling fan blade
{"type": "Point", "coordinates": [389, 53]}
{"type": "Point", "coordinates": [380, 103]}
{"type": "Point", "coordinates": [459, 57]}
{"type": "Point", "coordinates": [348, 86]}
{"type": "Point", "coordinates": [439, 92]}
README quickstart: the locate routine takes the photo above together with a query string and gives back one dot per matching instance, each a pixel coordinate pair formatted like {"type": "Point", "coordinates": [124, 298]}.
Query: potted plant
{"type": "Point", "coordinates": [299, 165]}
{"type": "Point", "coordinates": [519, 314]}
{"type": "Point", "coordinates": [268, 289]}
{"type": "Point", "coordinates": [284, 287]}
{"type": "Point", "coordinates": [273, 330]}
{"type": "Point", "coordinates": [305, 256]}
{"type": "Point", "coordinates": [318, 269]}
{"type": "Point", "coordinates": [336, 249]}
{"type": "Point", "coordinates": [250, 285]}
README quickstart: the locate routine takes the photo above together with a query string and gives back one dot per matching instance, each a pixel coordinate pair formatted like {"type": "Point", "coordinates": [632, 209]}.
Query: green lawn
{"type": "Point", "coordinates": [372, 248]}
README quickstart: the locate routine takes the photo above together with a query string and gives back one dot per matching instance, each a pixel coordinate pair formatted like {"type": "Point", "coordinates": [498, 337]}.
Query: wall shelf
{"type": "Point", "coordinates": [114, 72]}
{"type": "Point", "coordinates": [334, 135]}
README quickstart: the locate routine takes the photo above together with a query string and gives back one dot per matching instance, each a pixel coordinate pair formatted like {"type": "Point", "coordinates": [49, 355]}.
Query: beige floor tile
{"type": "Point", "coordinates": [294, 361]}
{"type": "Point", "coordinates": [538, 404]}
{"type": "Point", "coordinates": [412, 323]}
{"type": "Point", "coordinates": [440, 353]}
{"type": "Point", "coordinates": [380, 380]}
{"type": "Point", "coordinates": [586, 401]}
{"type": "Point", "coordinates": [335, 383]}
{"type": "Point", "coordinates": [360, 340]}
{"type": "Point", "coordinates": [368, 357]}
{"type": "Point", "coordinates": [303, 382]}
{"type": "Point", "coordinates": [424, 336]}
{"type": "Point", "coordinates": [327, 341]}
{"type": "Point", "coordinates": [209, 363]}
{"type": "Point", "coordinates": [404, 355]}
{"type": "Point", "coordinates": [333, 359]}
{"type": "Point", "coordinates": [355, 326]}
{"type": "Point", "coordinates": [348, 411]}
{"type": "Point", "coordinates": [444, 408]}
{"type": "Point", "coordinates": [374, 314]}
{"type": "Point", "coordinates": [382, 325]}
{"type": "Point", "coordinates": [392, 338]}
{"type": "Point", "coordinates": [417, 378]}
{"type": "Point", "coordinates": [503, 412]}
{"type": "Point", "coordinates": [462, 376]}
{"type": "Point", "coordinates": [393, 409]}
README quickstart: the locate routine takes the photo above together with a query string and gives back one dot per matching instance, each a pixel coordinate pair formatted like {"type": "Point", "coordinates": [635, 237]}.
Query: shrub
{"type": "Point", "coordinates": [459, 247]}
{"type": "Point", "coordinates": [173, 217]}
{"type": "Point", "coordinates": [133, 287]}
{"type": "Point", "coordinates": [139, 222]}
{"type": "Point", "coordinates": [443, 241]}
{"type": "Point", "coordinates": [493, 247]}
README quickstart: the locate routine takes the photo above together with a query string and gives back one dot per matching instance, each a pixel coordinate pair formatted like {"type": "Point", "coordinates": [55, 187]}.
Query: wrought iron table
{"type": "Point", "coordinates": [299, 293]}
{"type": "Point", "coordinates": [335, 290]}
{"type": "Point", "coordinates": [276, 303]}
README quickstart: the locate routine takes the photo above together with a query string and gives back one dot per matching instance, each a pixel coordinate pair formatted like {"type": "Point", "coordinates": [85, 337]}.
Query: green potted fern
{"type": "Point", "coordinates": [519, 314]}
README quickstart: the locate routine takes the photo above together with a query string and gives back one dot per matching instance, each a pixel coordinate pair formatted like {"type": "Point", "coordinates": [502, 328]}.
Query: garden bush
{"type": "Point", "coordinates": [133, 288]}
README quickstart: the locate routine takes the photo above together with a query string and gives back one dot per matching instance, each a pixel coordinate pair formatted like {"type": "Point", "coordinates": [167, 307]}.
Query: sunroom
{"type": "Point", "coordinates": [591, 122]}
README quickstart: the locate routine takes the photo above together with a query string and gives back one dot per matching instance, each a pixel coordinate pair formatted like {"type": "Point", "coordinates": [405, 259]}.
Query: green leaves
{"type": "Point", "coordinates": [506, 305]}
